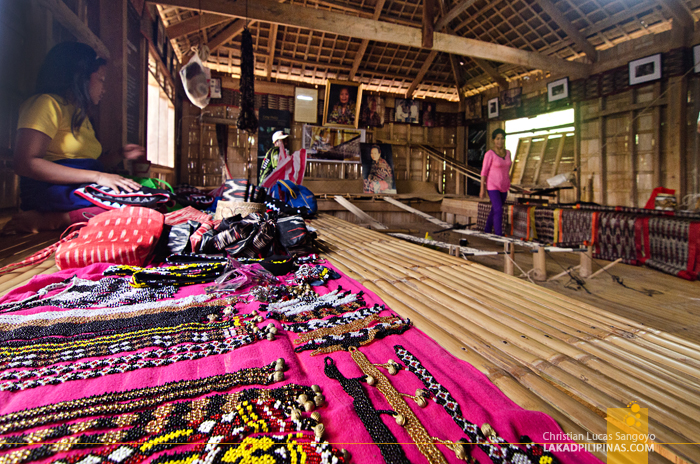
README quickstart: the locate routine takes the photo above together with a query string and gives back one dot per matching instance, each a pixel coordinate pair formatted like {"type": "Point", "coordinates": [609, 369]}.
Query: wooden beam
{"type": "Point", "coordinates": [272, 41]}
{"type": "Point", "coordinates": [569, 28]}
{"type": "Point", "coordinates": [424, 69]}
{"type": "Point", "coordinates": [79, 29]}
{"type": "Point", "coordinates": [492, 72]}
{"type": "Point", "coordinates": [680, 12]}
{"type": "Point", "coordinates": [453, 13]}
{"type": "Point", "coordinates": [363, 46]}
{"type": "Point", "coordinates": [359, 213]}
{"type": "Point", "coordinates": [231, 31]}
{"type": "Point", "coordinates": [194, 24]}
{"type": "Point", "coordinates": [618, 18]}
{"type": "Point", "coordinates": [344, 25]}
{"type": "Point", "coordinates": [428, 20]}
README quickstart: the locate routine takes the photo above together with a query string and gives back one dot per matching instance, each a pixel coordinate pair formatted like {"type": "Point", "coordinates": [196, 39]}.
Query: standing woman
{"type": "Point", "coordinates": [495, 179]}
{"type": "Point", "coordinates": [56, 149]}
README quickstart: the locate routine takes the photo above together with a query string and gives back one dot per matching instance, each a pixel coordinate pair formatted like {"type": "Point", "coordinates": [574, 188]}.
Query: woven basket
{"type": "Point", "coordinates": [226, 209]}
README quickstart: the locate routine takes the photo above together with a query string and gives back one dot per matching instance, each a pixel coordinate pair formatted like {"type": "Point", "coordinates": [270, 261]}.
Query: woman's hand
{"type": "Point", "coordinates": [116, 182]}
{"type": "Point", "coordinates": [482, 193]}
{"type": "Point", "coordinates": [132, 151]}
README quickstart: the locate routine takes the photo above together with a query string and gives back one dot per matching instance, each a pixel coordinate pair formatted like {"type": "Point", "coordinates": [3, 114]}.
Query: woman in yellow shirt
{"type": "Point", "coordinates": [56, 150]}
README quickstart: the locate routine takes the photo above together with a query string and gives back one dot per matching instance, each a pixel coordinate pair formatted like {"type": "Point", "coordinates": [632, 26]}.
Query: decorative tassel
{"type": "Point", "coordinates": [246, 118]}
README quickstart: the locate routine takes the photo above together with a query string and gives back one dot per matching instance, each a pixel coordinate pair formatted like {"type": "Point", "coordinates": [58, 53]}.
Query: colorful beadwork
{"type": "Point", "coordinates": [345, 318]}
{"type": "Point", "coordinates": [493, 445]}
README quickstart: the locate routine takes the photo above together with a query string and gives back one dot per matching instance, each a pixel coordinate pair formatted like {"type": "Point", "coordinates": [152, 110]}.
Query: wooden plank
{"type": "Point", "coordinates": [225, 36]}
{"type": "Point", "coordinates": [428, 20]}
{"type": "Point", "coordinates": [425, 216]}
{"type": "Point", "coordinates": [272, 42]}
{"type": "Point", "coordinates": [365, 28]}
{"type": "Point", "coordinates": [453, 13]}
{"type": "Point", "coordinates": [492, 72]}
{"type": "Point", "coordinates": [536, 177]}
{"type": "Point", "coordinates": [569, 28]}
{"type": "Point", "coordinates": [656, 124]}
{"type": "Point", "coordinates": [194, 24]}
{"type": "Point", "coordinates": [363, 46]}
{"type": "Point", "coordinates": [680, 12]}
{"type": "Point", "coordinates": [359, 213]}
{"type": "Point", "coordinates": [424, 69]}
{"type": "Point", "coordinates": [79, 29]}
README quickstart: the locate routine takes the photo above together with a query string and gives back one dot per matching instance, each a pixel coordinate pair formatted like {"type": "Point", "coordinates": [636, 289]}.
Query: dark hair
{"type": "Point", "coordinates": [496, 132]}
{"type": "Point", "coordinates": [66, 72]}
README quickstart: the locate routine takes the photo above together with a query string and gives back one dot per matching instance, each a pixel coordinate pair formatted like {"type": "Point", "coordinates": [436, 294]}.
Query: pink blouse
{"type": "Point", "coordinates": [497, 171]}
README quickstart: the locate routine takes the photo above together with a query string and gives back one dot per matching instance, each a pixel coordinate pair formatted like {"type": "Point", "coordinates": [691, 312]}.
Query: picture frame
{"type": "Point", "coordinates": [341, 107]}
{"type": "Point", "coordinates": [372, 111]}
{"type": "Point", "coordinates": [558, 90]}
{"type": "Point", "coordinates": [473, 108]}
{"type": "Point", "coordinates": [407, 111]}
{"type": "Point", "coordinates": [492, 108]}
{"type": "Point", "coordinates": [696, 58]}
{"type": "Point", "coordinates": [429, 113]}
{"type": "Point", "coordinates": [645, 69]}
{"type": "Point", "coordinates": [305, 105]}
{"type": "Point", "coordinates": [377, 168]}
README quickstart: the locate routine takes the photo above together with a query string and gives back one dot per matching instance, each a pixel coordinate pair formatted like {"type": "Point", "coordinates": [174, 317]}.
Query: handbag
{"type": "Point", "coordinates": [296, 196]}
{"type": "Point", "coordinates": [121, 236]}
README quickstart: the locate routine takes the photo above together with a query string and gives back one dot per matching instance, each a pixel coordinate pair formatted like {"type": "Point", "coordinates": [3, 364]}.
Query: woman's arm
{"type": "Point", "coordinates": [486, 167]}
{"type": "Point", "coordinates": [29, 161]}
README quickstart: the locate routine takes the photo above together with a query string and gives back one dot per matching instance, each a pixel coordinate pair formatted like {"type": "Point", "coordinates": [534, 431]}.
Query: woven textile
{"type": "Point", "coordinates": [575, 227]}
{"type": "Point", "coordinates": [615, 237]}
{"type": "Point", "coordinates": [544, 225]}
{"type": "Point", "coordinates": [483, 213]}
{"type": "Point", "coordinates": [642, 211]}
{"type": "Point", "coordinates": [523, 222]}
{"type": "Point", "coordinates": [670, 245]}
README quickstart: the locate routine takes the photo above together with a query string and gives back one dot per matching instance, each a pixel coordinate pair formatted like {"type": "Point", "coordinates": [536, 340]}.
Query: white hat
{"type": "Point", "coordinates": [279, 135]}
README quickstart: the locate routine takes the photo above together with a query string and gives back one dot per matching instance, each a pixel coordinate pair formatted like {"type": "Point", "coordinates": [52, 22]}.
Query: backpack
{"type": "Point", "coordinates": [296, 196]}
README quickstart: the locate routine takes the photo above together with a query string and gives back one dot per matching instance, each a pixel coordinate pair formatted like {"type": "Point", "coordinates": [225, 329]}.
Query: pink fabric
{"type": "Point", "coordinates": [480, 400]}
{"type": "Point", "coordinates": [497, 171]}
{"type": "Point", "coordinates": [288, 168]}
{"type": "Point", "coordinates": [85, 214]}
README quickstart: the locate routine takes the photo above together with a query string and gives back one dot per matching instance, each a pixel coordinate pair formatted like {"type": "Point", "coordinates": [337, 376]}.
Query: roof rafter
{"type": "Point", "coordinates": [337, 23]}
{"type": "Point", "coordinates": [453, 13]}
{"type": "Point", "coordinates": [569, 28]}
{"type": "Point", "coordinates": [424, 69]}
{"type": "Point", "coordinates": [363, 46]}
{"type": "Point", "coordinates": [194, 24]}
{"type": "Point", "coordinates": [680, 13]}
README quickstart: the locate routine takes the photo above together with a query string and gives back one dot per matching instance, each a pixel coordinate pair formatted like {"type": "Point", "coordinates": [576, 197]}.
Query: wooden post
{"type": "Point", "coordinates": [587, 262]}
{"type": "Point", "coordinates": [508, 258]}
{"type": "Point", "coordinates": [111, 130]}
{"type": "Point", "coordinates": [539, 265]}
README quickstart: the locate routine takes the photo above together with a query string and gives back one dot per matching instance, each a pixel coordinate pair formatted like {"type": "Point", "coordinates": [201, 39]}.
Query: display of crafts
{"type": "Point", "coordinates": [212, 360]}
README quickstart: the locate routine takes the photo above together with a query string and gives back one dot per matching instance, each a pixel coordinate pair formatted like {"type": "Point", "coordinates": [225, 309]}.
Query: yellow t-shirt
{"type": "Point", "coordinates": [50, 115]}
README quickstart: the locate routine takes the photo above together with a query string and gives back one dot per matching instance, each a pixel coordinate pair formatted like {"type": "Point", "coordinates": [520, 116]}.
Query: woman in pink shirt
{"type": "Point", "coordinates": [495, 179]}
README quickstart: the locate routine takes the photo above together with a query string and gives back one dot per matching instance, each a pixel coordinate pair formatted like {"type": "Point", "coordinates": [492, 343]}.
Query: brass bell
{"type": "Point", "coordinates": [487, 430]}
{"type": "Point", "coordinates": [392, 369]}
{"type": "Point", "coordinates": [460, 452]}
{"type": "Point", "coordinates": [272, 330]}
{"type": "Point", "coordinates": [316, 388]}
{"type": "Point", "coordinates": [278, 376]}
{"type": "Point", "coordinates": [370, 380]}
{"type": "Point", "coordinates": [318, 431]}
{"type": "Point", "coordinates": [319, 400]}
{"type": "Point", "coordinates": [302, 398]}
{"type": "Point", "coordinates": [420, 401]}
{"type": "Point", "coordinates": [316, 416]}
{"type": "Point", "coordinates": [309, 406]}
{"type": "Point", "coordinates": [296, 414]}
{"type": "Point", "coordinates": [270, 336]}
{"type": "Point", "coordinates": [400, 419]}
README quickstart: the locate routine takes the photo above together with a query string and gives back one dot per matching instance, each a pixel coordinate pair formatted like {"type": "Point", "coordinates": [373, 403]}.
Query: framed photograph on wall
{"type": "Point", "coordinates": [407, 111]}
{"type": "Point", "coordinates": [377, 168]}
{"type": "Point", "coordinates": [492, 108]}
{"type": "Point", "coordinates": [342, 104]}
{"type": "Point", "coordinates": [645, 69]}
{"type": "Point", "coordinates": [696, 58]}
{"type": "Point", "coordinates": [558, 90]}
{"type": "Point", "coordinates": [428, 114]}
{"type": "Point", "coordinates": [372, 114]}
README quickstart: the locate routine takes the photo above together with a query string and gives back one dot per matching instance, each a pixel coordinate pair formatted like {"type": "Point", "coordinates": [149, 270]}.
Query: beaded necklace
{"type": "Point", "coordinates": [64, 351]}
{"type": "Point", "coordinates": [141, 434]}
{"type": "Point", "coordinates": [45, 318]}
{"type": "Point", "coordinates": [139, 398]}
{"type": "Point", "coordinates": [22, 379]}
{"type": "Point", "coordinates": [350, 335]}
{"type": "Point", "coordinates": [370, 417]}
{"type": "Point", "coordinates": [317, 313]}
{"type": "Point", "coordinates": [333, 321]}
{"type": "Point", "coordinates": [115, 323]}
{"type": "Point", "coordinates": [82, 293]}
{"type": "Point", "coordinates": [404, 413]}
{"type": "Point", "coordinates": [178, 275]}
{"type": "Point", "coordinates": [485, 438]}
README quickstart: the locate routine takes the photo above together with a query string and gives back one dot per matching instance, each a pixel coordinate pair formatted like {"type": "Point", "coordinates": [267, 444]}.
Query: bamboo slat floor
{"type": "Point", "coordinates": [545, 350]}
